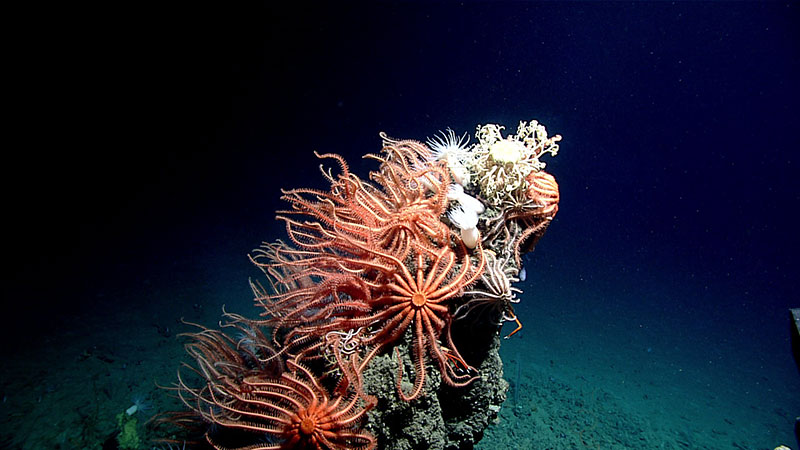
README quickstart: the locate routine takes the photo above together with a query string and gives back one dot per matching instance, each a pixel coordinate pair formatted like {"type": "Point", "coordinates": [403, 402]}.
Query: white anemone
{"type": "Point", "coordinates": [448, 145]}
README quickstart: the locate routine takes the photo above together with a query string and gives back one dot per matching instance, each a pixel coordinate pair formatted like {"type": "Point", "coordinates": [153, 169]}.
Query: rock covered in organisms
{"type": "Point", "coordinates": [380, 319]}
{"type": "Point", "coordinates": [443, 417]}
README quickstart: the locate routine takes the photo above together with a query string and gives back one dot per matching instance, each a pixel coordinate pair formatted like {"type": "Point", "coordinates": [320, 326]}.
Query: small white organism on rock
{"type": "Point", "coordinates": [454, 150]}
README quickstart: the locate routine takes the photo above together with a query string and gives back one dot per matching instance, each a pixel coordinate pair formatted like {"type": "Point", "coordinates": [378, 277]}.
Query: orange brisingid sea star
{"type": "Point", "coordinates": [404, 209]}
{"type": "Point", "coordinates": [402, 300]}
{"type": "Point", "coordinates": [242, 391]}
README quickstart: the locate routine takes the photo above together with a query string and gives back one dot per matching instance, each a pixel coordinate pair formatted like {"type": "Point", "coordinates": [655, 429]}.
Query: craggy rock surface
{"type": "Point", "coordinates": [444, 417]}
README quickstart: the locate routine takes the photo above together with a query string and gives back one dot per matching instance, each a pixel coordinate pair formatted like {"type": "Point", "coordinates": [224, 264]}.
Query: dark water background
{"type": "Point", "coordinates": [156, 139]}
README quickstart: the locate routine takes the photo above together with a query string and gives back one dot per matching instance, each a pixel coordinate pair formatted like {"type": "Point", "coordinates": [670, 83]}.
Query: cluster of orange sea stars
{"type": "Point", "coordinates": [367, 263]}
{"type": "Point", "coordinates": [373, 257]}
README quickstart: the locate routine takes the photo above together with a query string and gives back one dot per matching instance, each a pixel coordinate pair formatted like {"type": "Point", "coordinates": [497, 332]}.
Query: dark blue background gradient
{"type": "Point", "coordinates": [162, 136]}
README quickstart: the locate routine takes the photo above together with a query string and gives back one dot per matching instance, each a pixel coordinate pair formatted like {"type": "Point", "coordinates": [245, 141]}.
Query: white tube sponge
{"type": "Point", "coordinates": [456, 193]}
{"type": "Point", "coordinates": [467, 220]}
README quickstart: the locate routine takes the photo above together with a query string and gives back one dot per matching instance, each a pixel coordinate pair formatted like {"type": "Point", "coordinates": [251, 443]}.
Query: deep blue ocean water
{"type": "Point", "coordinates": [158, 139]}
